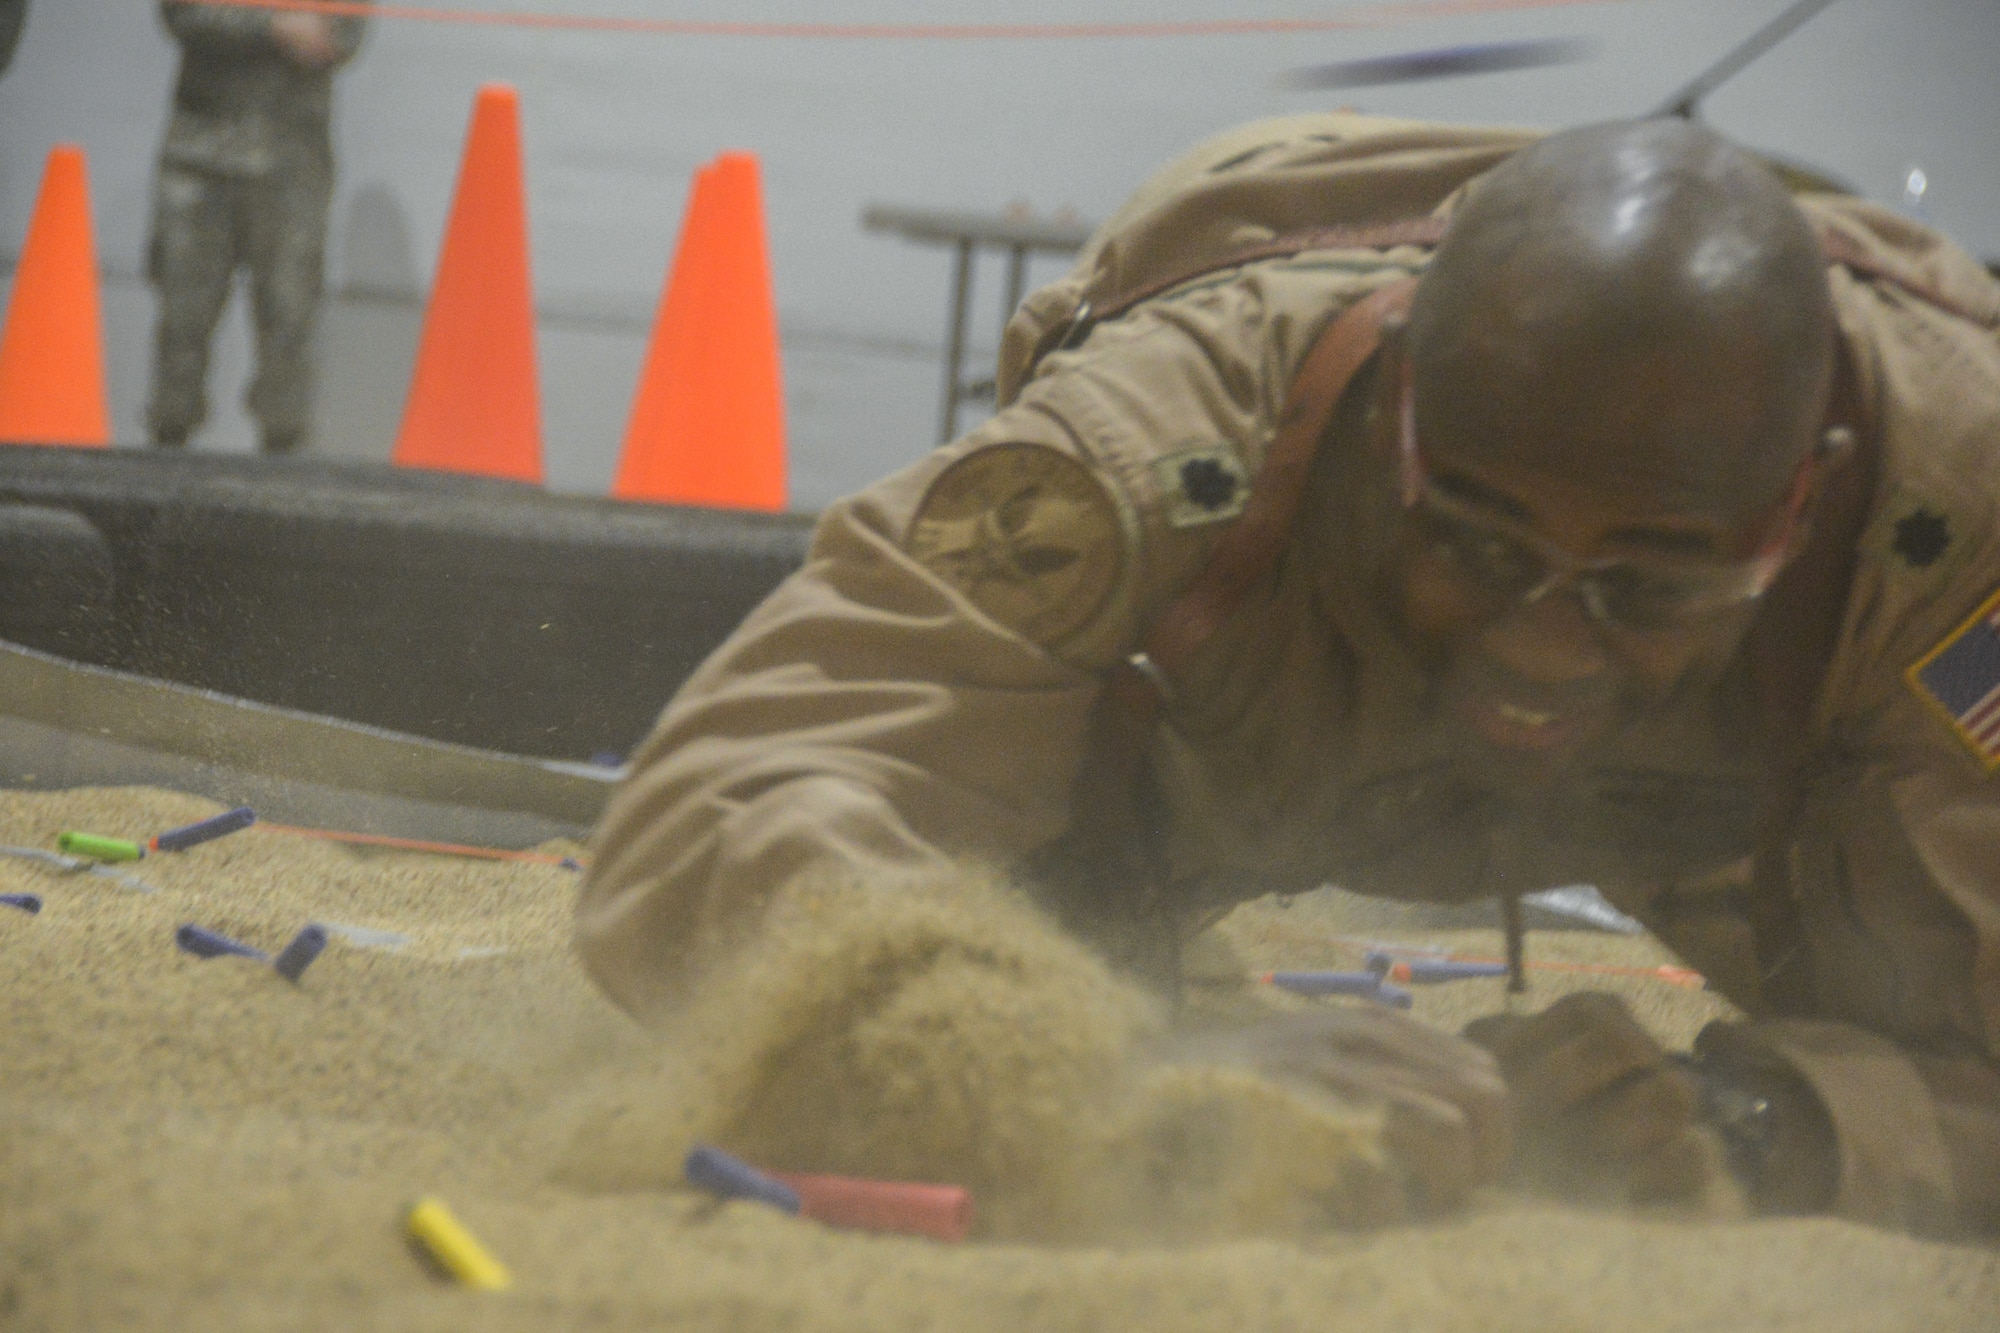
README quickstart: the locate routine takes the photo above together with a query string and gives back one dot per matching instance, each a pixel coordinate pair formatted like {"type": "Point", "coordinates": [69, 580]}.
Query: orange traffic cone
{"type": "Point", "coordinates": [52, 353]}
{"type": "Point", "coordinates": [474, 405]}
{"type": "Point", "coordinates": [708, 421]}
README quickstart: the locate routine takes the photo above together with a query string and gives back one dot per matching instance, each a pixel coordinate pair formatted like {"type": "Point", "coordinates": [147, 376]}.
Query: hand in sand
{"type": "Point", "coordinates": [1446, 1119]}
{"type": "Point", "coordinates": [1597, 1098]}
{"type": "Point", "coordinates": [305, 39]}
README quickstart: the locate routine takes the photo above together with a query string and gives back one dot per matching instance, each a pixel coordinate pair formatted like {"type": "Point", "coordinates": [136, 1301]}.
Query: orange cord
{"type": "Point", "coordinates": [419, 845]}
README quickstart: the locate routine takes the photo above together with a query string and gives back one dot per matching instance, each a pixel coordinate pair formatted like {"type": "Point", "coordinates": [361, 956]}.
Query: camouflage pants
{"type": "Point", "coordinates": [205, 227]}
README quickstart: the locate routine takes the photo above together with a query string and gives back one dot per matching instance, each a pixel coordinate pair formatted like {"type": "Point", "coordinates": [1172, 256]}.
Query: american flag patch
{"type": "Point", "coordinates": [1960, 679]}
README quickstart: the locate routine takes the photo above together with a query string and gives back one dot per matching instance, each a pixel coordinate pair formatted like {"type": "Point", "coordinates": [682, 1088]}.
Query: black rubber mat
{"type": "Point", "coordinates": [470, 610]}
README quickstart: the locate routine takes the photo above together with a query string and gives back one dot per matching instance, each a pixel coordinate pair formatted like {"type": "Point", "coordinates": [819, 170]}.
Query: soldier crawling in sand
{"type": "Point", "coordinates": [1443, 513]}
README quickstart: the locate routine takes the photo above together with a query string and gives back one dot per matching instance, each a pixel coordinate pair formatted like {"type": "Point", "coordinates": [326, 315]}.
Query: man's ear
{"type": "Point", "coordinates": [1835, 444]}
{"type": "Point", "coordinates": [1846, 411]}
{"type": "Point", "coordinates": [1394, 331]}
{"type": "Point", "coordinates": [1392, 355]}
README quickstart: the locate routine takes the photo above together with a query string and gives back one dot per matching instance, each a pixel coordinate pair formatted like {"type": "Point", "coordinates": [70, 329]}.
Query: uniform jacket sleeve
{"type": "Point", "coordinates": [862, 717]}
{"type": "Point", "coordinates": [868, 715]}
{"type": "Point", "coordinates": [1894, 862]}
{"type": "Point", "coordinates": [1899, 875]}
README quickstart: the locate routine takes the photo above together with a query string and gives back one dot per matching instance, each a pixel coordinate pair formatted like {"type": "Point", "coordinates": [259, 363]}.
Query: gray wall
{"type": "Point", "coordinates": [615, 124]}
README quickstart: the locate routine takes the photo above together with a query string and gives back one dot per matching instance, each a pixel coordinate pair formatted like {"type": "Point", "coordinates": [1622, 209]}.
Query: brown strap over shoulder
{"type": "Point", "coordinates": [1249, 550]}
{"type": "Point", "coordinates": [1106, 876]}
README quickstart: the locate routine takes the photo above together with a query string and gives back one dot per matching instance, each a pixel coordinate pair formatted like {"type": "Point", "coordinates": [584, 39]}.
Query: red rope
{"type": "Point", "coordinates": [419, 845]}
{"type": "Point", "coordinates": [1378, 16]}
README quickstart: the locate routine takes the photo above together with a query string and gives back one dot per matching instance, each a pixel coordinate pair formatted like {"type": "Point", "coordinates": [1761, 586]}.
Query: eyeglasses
{"type": "Point", "coordinates": [1508, 565]}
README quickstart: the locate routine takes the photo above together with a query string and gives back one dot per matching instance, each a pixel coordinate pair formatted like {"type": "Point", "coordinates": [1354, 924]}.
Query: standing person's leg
{"type": "Point", "coordinates": [190, 259]}
{"type": "Point", "coordinates": [287, 271]}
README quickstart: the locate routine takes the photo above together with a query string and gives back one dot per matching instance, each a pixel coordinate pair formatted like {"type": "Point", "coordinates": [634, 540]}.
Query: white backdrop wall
{"type": "Point", "coordinates": [615, 124]}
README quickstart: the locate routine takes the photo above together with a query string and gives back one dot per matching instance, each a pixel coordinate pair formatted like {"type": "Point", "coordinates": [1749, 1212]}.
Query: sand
{"type": "Point", "coordinates": [199, 1144]}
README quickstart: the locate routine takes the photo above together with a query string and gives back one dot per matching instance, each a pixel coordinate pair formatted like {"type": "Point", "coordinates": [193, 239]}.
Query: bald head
{"type": "Point", "coordinates": [1638, 303]}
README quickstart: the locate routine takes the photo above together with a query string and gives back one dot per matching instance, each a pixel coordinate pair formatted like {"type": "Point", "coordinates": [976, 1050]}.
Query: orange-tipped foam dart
{"type": "Point", "coordinates": [908, 1207]}
{"type": "Point", "coordinates": [911, 1208]}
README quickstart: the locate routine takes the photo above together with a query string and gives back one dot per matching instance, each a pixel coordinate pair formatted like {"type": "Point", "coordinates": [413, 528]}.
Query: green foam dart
{"type": "Point", "coordinates": [94, 848]}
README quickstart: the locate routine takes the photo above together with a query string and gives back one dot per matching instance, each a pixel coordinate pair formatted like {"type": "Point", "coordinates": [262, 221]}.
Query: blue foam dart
{"type": "Point", "coordinates": [296, 957]}
{"type": "Point", "coordinates": [1364, 984]}
{"type": "Point", "coordinates": [30, 903]}
{"type": "Point", "coordinates": [205, 943]}
{"type": "Point", "coordinates": [1393, 996]}
{"type": "Point", "coordinates": [1430, 971]}
{"type": "Point", "coordinates": [205, 830]}
{"type": "Point", "coordinates": [731, 1178]}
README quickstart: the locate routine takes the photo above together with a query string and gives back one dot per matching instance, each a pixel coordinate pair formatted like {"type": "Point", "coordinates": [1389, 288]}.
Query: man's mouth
{"type": "Point", "coordinates": [1513, 726]}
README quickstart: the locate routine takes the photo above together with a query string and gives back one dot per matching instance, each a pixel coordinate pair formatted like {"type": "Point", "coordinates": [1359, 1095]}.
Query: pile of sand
{"type": "Point", "coordinates": [199, 1144]}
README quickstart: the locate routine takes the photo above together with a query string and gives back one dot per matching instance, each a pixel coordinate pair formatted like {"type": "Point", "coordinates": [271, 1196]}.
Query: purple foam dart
{"type": "Point", "coordinates": [205, 830]}
{"type": "Point", "coordinates": [732, 1178]}
{"type": "Point", "coordinates": [205, 943]}
{"type": "Point", "coordinates": [296, 957]}
{"type": "Point", "coordinates": [28, 902]}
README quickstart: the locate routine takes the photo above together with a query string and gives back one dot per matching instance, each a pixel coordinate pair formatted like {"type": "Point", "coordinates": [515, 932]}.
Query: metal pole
{"type": "Point", "coordinates": [1017, 281]}
{"type": "Point", "coordinates": [961, 296]}
{"type": "Point", "coordinates": [1688, 100]}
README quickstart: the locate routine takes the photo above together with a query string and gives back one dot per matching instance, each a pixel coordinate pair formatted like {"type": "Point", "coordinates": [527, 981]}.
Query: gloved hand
{"type": "Point", "coordinates": [1599, 1102]}
{"type": "Point", "coordinates": [1446, 1120]}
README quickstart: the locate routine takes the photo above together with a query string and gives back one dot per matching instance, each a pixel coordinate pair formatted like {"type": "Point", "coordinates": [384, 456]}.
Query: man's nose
{"type": "Point", "coordinates": [1547, 640]}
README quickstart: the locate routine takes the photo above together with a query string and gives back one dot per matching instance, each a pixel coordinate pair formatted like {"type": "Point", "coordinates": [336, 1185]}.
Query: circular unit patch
{"type": "Point", "coordinates": [1027, 533]}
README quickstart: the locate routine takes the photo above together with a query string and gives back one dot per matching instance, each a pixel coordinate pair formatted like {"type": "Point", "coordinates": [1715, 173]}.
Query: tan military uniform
{"type": "Point", "coordinates": [926, 686]}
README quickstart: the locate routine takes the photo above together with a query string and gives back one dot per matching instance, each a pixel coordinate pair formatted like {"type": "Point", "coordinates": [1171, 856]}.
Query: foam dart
{"type": "Point", "coordinates": [1393, 996]}
{"type": "Point", "coordinates": [1442, 63]}
{"type": "Point", "coordinates": [1430, 971]}
{"type": "Point", "coordinates": [205, 830]}
{"type": "Point", "coordinates": [296, 957]}
{"type": "Point", "coordinates": [732, 1178]}
{"type": "Point", "coordinates": [911, 1208]}
{"type": "Point", "coordinates": [95, 848]}
{"type": "Point", "coordinates": [205, 943]}
{"type": "Point", "coordinates": [1364, 984]}
{"type": "Point", "coordinates": [28, 902]}
{"type": "Point", "coordinates": [456, 1250]}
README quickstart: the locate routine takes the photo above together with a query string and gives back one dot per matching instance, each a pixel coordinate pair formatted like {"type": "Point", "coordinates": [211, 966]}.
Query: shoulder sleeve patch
{"type": "Point", "coordinates": [1959, 680]}
{"type": "Point", "coordinates": [1026, 533]}
{"type": "Point", "coordinates": [1918, 537]}
{"type": "Point", "coordinates": [1202, 484]}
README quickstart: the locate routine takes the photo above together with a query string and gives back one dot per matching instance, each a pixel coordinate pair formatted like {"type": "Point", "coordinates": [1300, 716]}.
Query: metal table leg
{"type": "Point", "coordinates": [961, 297]}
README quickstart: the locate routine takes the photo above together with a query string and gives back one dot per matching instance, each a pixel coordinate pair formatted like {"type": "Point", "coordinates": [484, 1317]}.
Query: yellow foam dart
{"type": "Point", "coordinates": [446, 1240]}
